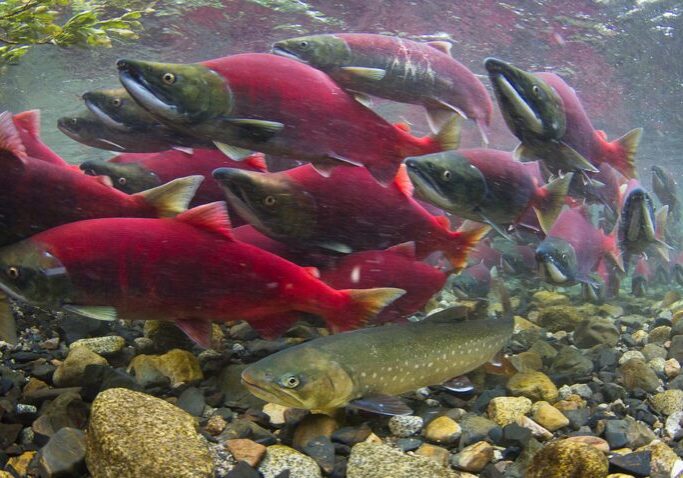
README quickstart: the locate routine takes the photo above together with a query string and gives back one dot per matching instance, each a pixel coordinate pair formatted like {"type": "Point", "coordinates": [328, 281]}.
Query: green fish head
{"type": "Point", "coordinates": [86, 128]}
{"type": "Point", "coordinates": [176, 93]}
{"type": "Point", "coordinates": [557, 261]}
{"type": "Point", "coordinates": [269, 201]}
{"type": "Point", "coordinates": [447, 180]}
{"type": "Point", "coordinates": [303, 377]}
{"type": "Point", "coordinates": [319, 51]}
{"type": "Point", "coordinates": [531, 107]}
{"type": "Point", "coordinates": [130, 178]}
{"type": "Point", "coordinates": [117, 109]}
{"type": "Point", "coordinates": [29, 272]}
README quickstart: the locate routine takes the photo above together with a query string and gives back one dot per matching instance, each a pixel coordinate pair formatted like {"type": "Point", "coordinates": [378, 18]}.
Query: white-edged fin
{"type": "Point", "coordinates": [212, 217]}
{"type": "Point", "coordinates": [325, 165]}
{"type": "Point", "coordinates": [448, 106]}
{"type": "Point", "coordinates": [8, 325]}
{"type": "Point", "coordinates": [335, 247]}
{"type": "Point", "coordinates": [116, 146]}
{"type": "Point", "coordinates": [381, 404]}
{"type": "Point", "coordinates": [374, 74]}
{"type": "Point", "coordinates": [198, 330]}
{"type": "Point", "coordinates": [482, 132]}
{"type": "Point", "coordinates": [9, 137]}
{"type": "Point", "coordinates": [363, 99]}
{"type": "Point", "coordinates": [233, 152]}
{"type": "Point", "coordinates": [456, 313]}
{"type": "Point", "coordinates": [442, 46]}
{"type": "Point", "coordinates": [460, 384]}
{"type": "Point", "coordinates": [173, 197]}
{"type": "Point", "coordinates": [496, 228]}
{"type": "Point", "coordinates": [437, 117]}
{"type": "Point", "coordinates": [184, 149]}
{"type": "Point", "coordinates": [97, 312]}
{"type": "Point", "coordinates": [268, 128]}
{"type": "Point", "coordinates": [572, 158]}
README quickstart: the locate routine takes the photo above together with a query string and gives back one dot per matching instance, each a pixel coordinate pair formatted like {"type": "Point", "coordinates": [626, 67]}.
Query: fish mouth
{"type": "Point", "coordinates": [280, 50]}
{"type": "Point", "coordinates": [146, 94]}
{"type": "Point", "coordinates": [101, 115]}
{"type": "Point", "coordinates": [66, 128]}
{"type": "Point", "coordinates": [550, 271]}
{"type": "Point", "coordinates": [238, 198]}
{"type": "Point", "coordinates": [425, 185]}
{"type": "Point", "coordinates": [270, 395]}
{"type": "Point", "coordinates": [639, 217]}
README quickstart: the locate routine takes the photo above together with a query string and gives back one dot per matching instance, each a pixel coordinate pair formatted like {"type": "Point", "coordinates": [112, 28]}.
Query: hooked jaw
{"type": "Point", "coordinates": [145, 93]}
{"type": "Point", "coordinates": [554, 257]}
{"type": "Point", "coordinates": [425, 186]}
{"type": "Point", "coordinates": [93, 105]}
{"type": "Point", "coordinates": [638, 214]}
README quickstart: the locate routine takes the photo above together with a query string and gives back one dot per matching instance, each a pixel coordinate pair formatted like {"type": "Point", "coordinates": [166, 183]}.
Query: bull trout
{"type": "Point", "coordinates": [366, 368]}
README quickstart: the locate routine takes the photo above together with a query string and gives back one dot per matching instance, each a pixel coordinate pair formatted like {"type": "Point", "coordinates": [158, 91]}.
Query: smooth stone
{"type": "Point", "coordinates": [442, 429]}
{"type": "Point", "coordinates": [107, 345]}
{"type": "Point", "coordinates": [280, 458]}
{"type": "Point", "coordinates": [536, 429]}
{"type": "Point", "coordinates": [475, 428]}
{"type": "Point", "coordinates": [70, 372]}
{"type": "Point", "coordinates": [371, 460]}
{"type": "Point", "coordinates": [569, 365]}
{"type": "Point", "coordinates": [131, 434]}
{"type": "Point", "coordinates": [615, 433]}
{"type": "Point", "coordinates": [179, 366]}
{"type": "Point", "coordinates": [404, 426]}
{"type": "Point", "coordinates": [315, 425]}
{"type": "Point", "coordinates": [243, 449]}
{"type": "Point", "coordinates": [662, 460]}
{"type": "Point", "coordinates": [192, 401]}
{"type": "Point", "coordinates": [542, 348]}
{"type": "Point", "coordinates": [66, 410]}
{"type": "Point", "coordinates": [64, 455]}
{"type": "Point", "coordinates": [631, 354]}
{"type": "Point", "coordinates": [674, 425]}
{"type": "Point", "coordinates": [659, 335]}
{"type": "Point", "coordinates": [652, 351]}
{"type": "Point", "coordinates": [667, 402]}
{"type": "Point", "coordinates": [215, 425]}
{"type": "Point", "coordinates": [548, 416]}
{"type": "Point", "coordinates": [436, 453]}
{"type": "Point", "coordinates": [559, 317]}
{"type": "Point", "coordinates": [242, 428]}
{"type": "Point", "coordinates": [505, 410]}
{"type": "Point", "coordinates": [547, 298]}
{"type": "Point", "coordinates": [409, 444]}
{"type": "Point", "coordinates": [657, 364]}
{"type": "Point", "coordinates": [527, 361]}
{"type": "Point", "coordinates": [676, 348]}
{"type": "Point", "coordinates": [474, 457]}
{"type": "Point", "coordinates": [639, 434]}
{"type": "Point", "coordinates": [672, 368]}
{"type": "Point", "coordinates": [276, 413]}
{"type": "Point", "coordinates": [562, 459]}
{"type": "Point", "coordinates": [321, 450]}
{"type": "Point", "coordinates": [637, 463]}
{"type": "Point", "coordinates": [594, 331]}
{"type": "Point", "coordinates": [533, 385]}
{"type": "Point", "coordinates": [635, 373]}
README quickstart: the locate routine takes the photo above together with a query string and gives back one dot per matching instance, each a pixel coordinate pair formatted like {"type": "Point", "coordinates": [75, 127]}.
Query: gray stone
{"type": "Point", "coordinates": [615, 433]}
{"type": "Point", "coordinates": [595, 331]}
{"type": "Point", "coordinates": [676, 349]}
{"type": "Point", "coordinates": [635, 373]}
{"type": "Point", "coordinates": [192, 401]}
{"type": "Point", "coordinates": [64, 455]}
{"type": "Point", "coordinates": [373, 460]}
{"type": "Point", "coordinates": [639, 434]}
{"type": "Point", "coordinates": [475, 428]}
{"type": "Point", "coordinates": [652, 351]}
{"type": "Point", "coordinates": [570, 364]}
{"type": "Point", "coordinates": [674, 425]}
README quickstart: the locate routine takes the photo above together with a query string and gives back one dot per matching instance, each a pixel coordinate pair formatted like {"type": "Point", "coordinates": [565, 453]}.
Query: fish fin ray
{"type": "Point", "coordinates": [573, 158]}
{"type": "Point", "coordinates": [374, 74]}
{"type": "Point", "coordinates": [261, 130]}
{"type": "Point", "coordinates": [363, 305]}
{"type": "Point", "coordinates": [627, 145]}
{"type": "Point", "coordinates": [10, 140]}
{"type": "Point", "coordinates": [338, 247]}
{"type": "Point", "coordinates": [104, 313]}
{"type": "Point", "coordinates": [198, 330]}
{"type": "Point", "coordinates": [442, 46]}
{"type": "Point", "coordinates": [173, 197]}
{"type": "Point", "coordinates": [448, 136]}
{"type": "Point", "coordinates": [384, 172]}
{"type": "Point", "coordinates": [29, 121]}
{"type": "Point", "coordinates": [661, 217]}
{"type": "Point", "coordinates": [483, 131]}
{"type": "Point", "coordinates": [363, 99]}
{"type": "Point", "coordinates": [184, 149]}
{"type": "Point", "coordinates": [258, 162]}
{"type": "Point", "coordinates": [233, 152]}
{"type": "Point", "coordinates": [554, 194]}
{"type": "Point", "coordinates": [212, 216]}
{"type": "Point", "coordinates": [463, 241]}
{"type": "Point", "coordinates": [8, 324]}
{"type": "Point", "coordinates": [459, 384]}
{"type": "Point", "coordinates": [381, 404]}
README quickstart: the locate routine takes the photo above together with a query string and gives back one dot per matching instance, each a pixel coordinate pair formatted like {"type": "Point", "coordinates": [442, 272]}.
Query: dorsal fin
{"type": "Point", "coordinates": [402, 181]}
{"type": "Point", "coordinates": [258, 162]}
{"type": "Point", "coordinates": [9, 137]}
{"type": "Point", "coordinates": [403, 126]}
{"type": "Point", "coordinates": [442, 46]}
{"type": "Point", "coordinates": [29, 121]}
{"type": "Point", "coordinates": [443, 222]}
{"type": "Point", "coordinates": [212, 217]}
{"type": "Point", "coordinates": [406, 249]}
{"type": "Point", "coordinates": [601, 134]}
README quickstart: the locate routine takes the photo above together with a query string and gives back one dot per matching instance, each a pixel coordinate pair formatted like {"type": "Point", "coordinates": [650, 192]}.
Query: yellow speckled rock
{"type": "Point", "coordinates": [533, 385]}
{"type": "Point", "coordinates": [504, 410]}
{"type": "Point", "coordinates": [131, 435]}
{"type": "Point", "coordinates": [546, 298]}
{"type": "Point", "coordinates": [178, 365]}
{"type": "Point", "coordinates": [559, 317]}
{"type": "Point", "coordinates": [662, 459]}
{"type": "Point", "coordinates": [369, 460]}
{"type": "Point", "coordinates": [280, 458]}
{"type": "Point", "coordinates": [667, 402]}
{"type": "Point", "coordinates": [567, 459]}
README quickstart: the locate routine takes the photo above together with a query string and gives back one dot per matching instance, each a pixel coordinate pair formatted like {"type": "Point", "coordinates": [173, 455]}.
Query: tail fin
{"type": "Point", "coordinates": [173, 197]}
{"type": "Point", "coordinates": [363, 305]}
{"type": "Point", "coordinates": [625, 151]}
{"type": "Point", "coordinates": [463, 241]}
{"type": "Point", "coordinates": [10, 140]}
{"type": "Point", "coordinates": [552, 199]}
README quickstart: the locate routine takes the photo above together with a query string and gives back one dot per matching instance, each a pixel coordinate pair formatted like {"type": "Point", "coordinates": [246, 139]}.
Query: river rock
{"type": "Point", "coordinates": [443, 429]}
{"type": "Point", "coordinates": [570, 364]}
{"type": "Point", "coordinates": [132, 434]}
{"type": "Point", "coordinates": [674, 425]}
{"type": "Point", "coordinates": [436, 453]}
{"type": "Point", "coordinates": [474, 457]}
{"type": "Point", "coordinates": [370, 460]}
{"type": "Point", "coordinates": [548, 416]}
{"type": "Point", "coordinates": [676, 349]}
{"type": "Point", "coordinates": [64, 454]}
{"type": "Point", "coordinates": [595, 442]}
{"type": "Point", "coordinates": [635, 373]}
{"type": "Point", "coordinates": [70, 372]}
{"type": "Point", "coordinates": [652, 351]}
{"type": "Point", "coordinates": [475, 428]}
{"type": "Point", "coordinates": [547, 298]}
{"type": "Point", "coordinates": [659, 335]}
{"type": "Point", "coordinates": [404, 426]}
{"type": "Point", "coordinates": [562, 459]}
{"type": "Point", "coordinates": [533, 385]}
{"type": "Point", "coordinates": [66, 410]}
{"type": "Point", "coordinates": [316, 425]}
{"type": "Point", "coordinates": [667, 402]}
{"type": "Point", "coordinates": [280, 458]}
{"type": "Point", "coordinates": [179, 366]}
{"type": "Point", "coordinates": [672, 368]}
{"type": "Point", "coordinates": [505, 410]}
{"type": "Point", "coordinates": [108, 345]}
{"type": "Point", "coordinates": [595, 331]}
{"type": "Point", "coordinates": [243, 449]}
{"type": "Point", "coordinates": [662, 458]}
{"type": "Point", "coordinates": [559, 317]}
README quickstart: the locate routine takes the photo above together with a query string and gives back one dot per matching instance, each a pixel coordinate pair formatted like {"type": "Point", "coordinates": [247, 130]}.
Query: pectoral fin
{"type": "Point", "coordinates": [261, 130]}
{"type": "Point", "coordinates": [572, 159]}
{"type": "Point", "coordinates": [198, 330]}
{"type": "Point", "coordinates": [374, 74]}
{"type": "Point", "coordinates": [381, 404]}
{"type": "Point", "coordinates": [363, 99]}
{"type": "Point", "coordinates": [105, 313]}
{"type": "Point", "coordinates": [232, 152]}
{"type": "Point", "coordinates": [460, 384]}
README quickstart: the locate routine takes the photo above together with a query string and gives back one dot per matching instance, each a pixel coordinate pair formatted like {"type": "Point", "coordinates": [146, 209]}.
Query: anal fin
{"type": "Point", "coordinates": [198, 330]}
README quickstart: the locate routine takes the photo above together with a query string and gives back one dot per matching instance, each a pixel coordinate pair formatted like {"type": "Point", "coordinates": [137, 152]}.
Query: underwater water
{"type": "Point", "coordinates": [250, 243]}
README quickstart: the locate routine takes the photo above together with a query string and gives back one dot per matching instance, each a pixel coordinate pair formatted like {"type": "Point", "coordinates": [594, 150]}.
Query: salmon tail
{"type": "Point", "coordinates": [173, 197]}
{"type": "Point", "coordinates": [625, 152]}
{"type": "Point", "coordinates": [462, 241]}
{"type": "Point", "coordinates": [10, 140]}
{"type": "Point", "coordinates": [363, 305]}
{"type": "Point", "coordinates": [611, 249]}
{"type": "Point", "coordinates": [552, 200]}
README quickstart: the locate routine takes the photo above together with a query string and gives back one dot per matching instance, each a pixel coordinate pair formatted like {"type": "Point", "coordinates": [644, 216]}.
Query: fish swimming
{"type": "Point", "coordinates": [345, 212]}
{"type": "Point", "coordinates": [642, 275]}
{"type": "Point", "coordinates": [367, 368]}
{"type": "Point", "coordinates": [573, 249]}
{"type": "Point", "coordinates": [473, 282]}
{"type": "Point", "coordinates": [666, 189]}
{"type": "Point", "coordinates": [187, 269]}
{"type": "Point", "coordinates": [546, 115]}
{"type": "Point", "coordinates": [267, 103]}
{"type": "Point", "coordinates": [36, 195]}
{"type": "Point", "coordinates": [487, 185]}
{"type": "Point", "coordinates": [398, 69]}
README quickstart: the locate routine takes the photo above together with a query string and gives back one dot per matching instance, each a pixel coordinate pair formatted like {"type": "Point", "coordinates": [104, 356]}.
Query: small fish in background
{"type": "Point", "coordinates": [397, 69]}
{"type": "Point", "coordinates": [573, 249]}
{"type": "Point", "coordinates": [346, 212]}
{"type": "Point", "coordinates": [275, 105]}
{"type": "Point", "coordinates": [487, 254]}
{"type": "Point", "coordinates": [488, 186]}
{"type": "Point", "coordinates": [641, 278]}
{"type": "Point", "coordinates": [395, 267]}
{"type": "Point", "coordinates": [639, 226]}
{"type": "Point", "coordinates": [367, 368]}
{"type": "Point", "coordinates": [186, 269]}
{"type": "Point", "coordinates": [547, 116]}
{"type": "Point", "coordinates": [520, 261]}
{"type": "Point", "coordinates": [605, 188]}
{"type": "Point", "coordinates": [665, 187]}
{"type": "Point", "coordinates": [117, 110]}
{"type": "Point", "coordinates": [472, 283]}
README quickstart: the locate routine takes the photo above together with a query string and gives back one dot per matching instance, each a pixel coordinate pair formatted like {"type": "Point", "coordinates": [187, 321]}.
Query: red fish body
{"type": "Point", "coordinates": [28, 126]}
{"type": "Point", "coordinates": [592, 144]}
{"type": "Point", "coordinates": [189, 269]}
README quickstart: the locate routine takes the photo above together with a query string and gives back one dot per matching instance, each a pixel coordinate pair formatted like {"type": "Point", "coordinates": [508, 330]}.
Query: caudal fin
{"type": "Point", "coordinates": [173, 197]}
{"type": "Point", "coordinates": [625, 152]}
{"type": "Point", "coordinates": [552, 199]}
{"type": "Point", "coordinates": [462, 241]}
{"type": "Point", "coordinates": [363, 305]}
{"type": "Point", "coordinates": [10, 140]}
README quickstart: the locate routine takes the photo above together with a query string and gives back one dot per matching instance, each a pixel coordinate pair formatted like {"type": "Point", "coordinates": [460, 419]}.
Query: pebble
{"type": "Point", "coordinates": [409, 444]}
{"type": "Point", "coordinates": [215, 425]}
{"type": "Point", "coordinates": [370, 460]}
{"type": "Point", "coordinates": [615, 433]}
{"type": "Point", "coordinates": [279, 458]}
{"type": "Point", "coordinates": [676, 348]}
{"type": "Point", "coordinates": [672, 368]}
{"type": "Point", "coordinates": [352, 435]}
{"type": "Point", "coordinates": [243, 449]}
{"type": "Point", "coordinates": [594, 331]}
{"type": "Point", "coordinates": [570, 364]}
{"type": "Point", "coordinates": [443, 429]}
{"type": "Point", "coordinates": [635, 373]}
{"type": "Point", "coordinates": [674, 425]}
{"type": "Point", "coordinates": [322, 451]}
{"type": "Point", "coordinates": [505, 410]}
{"type": "Point", "coordinates": [631, 354]}
{"type": "Point", "coordinates": [473, 457]}
{"type": "Point", "coordinates": [562, 458]}
{"type": "Point", "coordinates": [64, 454]}
{"type": "Point", "coordinates": [405, 425]}
{"type": "Point", "coordinates": [70, 372]}
{"type": "Point", "coordinates": [637, 463]}
{"type": "Point", "coordinates": [179, 366]}
{"type": "Point", "coordinates": [659, 335]}
{"type": "Point", "coordinates": [547, 298]}
{"type": "Point", "coordinates": [475, 428]}
{"type": "Point", "coordinates": [316, 425]}
{"type": "Point", "coordinates": [436, 453]}
{"type": "Point", "coordinates": [548, 416]}
{"type": "Point", "coordinates": [559, 317]}
{"type": "Point", "coordinates": [106, 346]}
{"type": "Point", "coordinates": [533, 385]}
{"type": "Point", "coordinates": [667, 402]}
{"type": "Point", "coordinates": [651, 351]}
{"type": "Point", "coordinates": [663, 458]}
{"type": "Point", "coordinates": [275, 412]}
{"type": "Point", "coordinates": [536, 429]}
{"type": "Point", "coordinates": [657, 364]}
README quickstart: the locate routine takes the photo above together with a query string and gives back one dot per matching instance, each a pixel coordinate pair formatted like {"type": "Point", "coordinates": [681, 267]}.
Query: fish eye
{"type": "Point", "coordinates": [122, 181]}
{"type": "Point", "coordinates": [13, 272]}
{"type": "Point", "coordinates": [303, 44]}
{"type": "Point", "coordinates": [116, 102]}
{"type": "Point", "coordinates": [269, 201]}
{"type": "Point", "coordinates": [290, 382]}
{"type": "Point", "coordinates": [446, 175]}
{"type": "Point", "coordinates": [73, 121]}
{"type": "Point", "coordinates": [536, 90]}
{"type": "Point", "coordinates": [168, 78]}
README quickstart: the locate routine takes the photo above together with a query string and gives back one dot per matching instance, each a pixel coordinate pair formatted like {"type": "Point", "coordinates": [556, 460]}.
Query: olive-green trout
{"type": "Point", "coordinates": [366, 368]}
